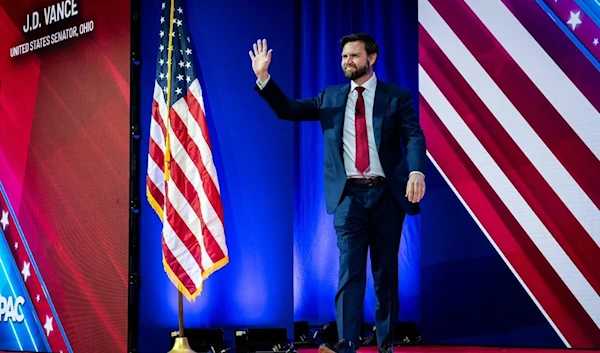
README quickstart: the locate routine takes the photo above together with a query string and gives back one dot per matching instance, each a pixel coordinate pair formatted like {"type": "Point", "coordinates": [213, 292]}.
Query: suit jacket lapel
{"type": "Point", "coordinates": [338, 120]}
{"type": "Point", "coordinates": [379, 108]}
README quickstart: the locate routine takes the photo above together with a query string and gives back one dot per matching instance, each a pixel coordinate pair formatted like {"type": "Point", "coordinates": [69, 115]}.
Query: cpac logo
{"type": "Point", "coordinates": [9, 309]}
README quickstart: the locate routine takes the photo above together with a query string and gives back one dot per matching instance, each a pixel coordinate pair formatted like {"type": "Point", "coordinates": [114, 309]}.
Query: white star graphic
{"type": "Point", "coordinates": [37, 298]}
{"type": "Point", "coordinates": [574, 20]}
{"type": "Point", "coordinates": [161, 47]}
{"type": "Point", "coordinates": [178, 91]}
{"type": "Point", "coordinates": [16, 246]}
{"type": "Point", "coordinates": [180, 77]}
{"type": "Point", "coordinates": [48, 325]}
{"type": "Point", "coordinates": [179, 22]}
{"type": "Point", "coordinates": [161, 33]}
{"type": "Point", "coordinates": [162, 19]}
{"type": "Point", "coordinates": [163, 5]}
{"type": "Point", "coordinates": [595, 41]}
{"type": "Point", "coordinates": [188, 51]}
{"type": "Point", "coordinates": [180, 10]}
{"type": "Point", "coordinates": [4, 220]}
{"type": "Point", "coordinates": [26, 272]}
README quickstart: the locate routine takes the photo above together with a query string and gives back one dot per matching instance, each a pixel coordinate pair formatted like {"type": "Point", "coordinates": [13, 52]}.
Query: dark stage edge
{"type": "Point", "coordinates": [448, 349]}
{"type": "Point", "coordinates": [460, 349]}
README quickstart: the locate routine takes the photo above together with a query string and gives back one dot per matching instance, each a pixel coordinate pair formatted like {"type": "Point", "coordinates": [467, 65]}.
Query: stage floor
{"type": "Point", "coordinates": [453, 349]}
{"type": "Point", "coordinates": [460, 349]}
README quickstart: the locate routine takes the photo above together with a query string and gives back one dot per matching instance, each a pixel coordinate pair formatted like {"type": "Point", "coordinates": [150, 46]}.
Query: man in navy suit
{"type": "Point", "coordinates": [374, 164]}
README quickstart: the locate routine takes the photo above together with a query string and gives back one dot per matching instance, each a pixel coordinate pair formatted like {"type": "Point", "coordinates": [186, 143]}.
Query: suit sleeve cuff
{"type": "Point", "coordinates": [262, 85]}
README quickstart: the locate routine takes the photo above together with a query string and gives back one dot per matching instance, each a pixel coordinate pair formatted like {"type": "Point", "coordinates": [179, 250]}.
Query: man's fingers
{"type": "Point", "coordinates": [420, 192]}
{"type": "Point", "coordinates": [269, 54]}
{"type": "Point", "coordinates": [251, 54]}
{"type": "Point", "coordinates": [410, 191]}
{"type": "Point", "coordinates": [264, 45]}
{"type": "Point", "coordinates": [255, 47]}
{"type": "Point", "coordinates": [415, 191]}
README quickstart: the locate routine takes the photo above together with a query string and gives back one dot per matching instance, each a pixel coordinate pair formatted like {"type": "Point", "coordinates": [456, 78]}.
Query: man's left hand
{"type": "Point", "coordinates": [415, 189]}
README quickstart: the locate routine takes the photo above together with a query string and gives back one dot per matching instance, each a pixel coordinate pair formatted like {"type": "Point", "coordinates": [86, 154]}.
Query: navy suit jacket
{"type": "Point", "coordinates": [398, 135]}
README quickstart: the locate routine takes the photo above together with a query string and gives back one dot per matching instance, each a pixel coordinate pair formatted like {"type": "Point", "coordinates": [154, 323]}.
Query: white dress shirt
{"type": "Point", "coordinates": [349, 134]}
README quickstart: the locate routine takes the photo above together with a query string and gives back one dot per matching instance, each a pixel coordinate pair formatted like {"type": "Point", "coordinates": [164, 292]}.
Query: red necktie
{"type": "Point", "coordinates": [360, 124]}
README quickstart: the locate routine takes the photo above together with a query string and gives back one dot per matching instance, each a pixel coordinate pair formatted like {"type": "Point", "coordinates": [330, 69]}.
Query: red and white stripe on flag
{"type": "Point", "coordinates": [182, 183]}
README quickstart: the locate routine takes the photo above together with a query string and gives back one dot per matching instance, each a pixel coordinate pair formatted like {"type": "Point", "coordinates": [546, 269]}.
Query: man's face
{"type": "Point", "coordinates": [355, 62]}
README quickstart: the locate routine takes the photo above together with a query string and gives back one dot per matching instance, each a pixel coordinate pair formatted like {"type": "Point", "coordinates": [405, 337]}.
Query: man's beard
{"type": "Point", "coordinates": [360, 72]}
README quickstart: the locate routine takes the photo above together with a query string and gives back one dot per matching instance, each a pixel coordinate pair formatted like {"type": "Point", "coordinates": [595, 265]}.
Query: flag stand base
{"type": "Point", "coordinates": [181, 346]}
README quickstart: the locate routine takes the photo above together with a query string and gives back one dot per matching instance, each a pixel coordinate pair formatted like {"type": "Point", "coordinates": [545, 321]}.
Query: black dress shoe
{"type": "Point", "coordinates": [386, 348]}
{"type": "Point", "coordinates": [341, 346]}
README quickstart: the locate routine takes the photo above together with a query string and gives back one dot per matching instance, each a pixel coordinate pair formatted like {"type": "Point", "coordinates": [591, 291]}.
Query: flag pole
{"type": "Point", "coordinates": [181, 343]}
{"type": "Point", "coordinates": [180, 313]}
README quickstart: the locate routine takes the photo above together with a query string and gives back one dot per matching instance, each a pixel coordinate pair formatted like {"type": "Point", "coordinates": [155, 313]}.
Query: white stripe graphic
{"type": "Point", "coordinates": [510, 196]}
{"type": "Point", "coordinates": [508, 264]}
{"type": "Point", "coordinates": [512, 121]}
{"type": "Point", "coordinates": [560, 92]}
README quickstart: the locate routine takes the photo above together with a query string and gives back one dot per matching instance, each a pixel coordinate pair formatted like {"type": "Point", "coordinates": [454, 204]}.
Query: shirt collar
{"type": "Point", "coordinates": [369, 85]}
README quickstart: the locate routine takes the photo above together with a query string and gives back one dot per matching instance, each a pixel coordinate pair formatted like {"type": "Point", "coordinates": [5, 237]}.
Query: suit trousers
{"type": "Point", "coordinates": [368, 217]}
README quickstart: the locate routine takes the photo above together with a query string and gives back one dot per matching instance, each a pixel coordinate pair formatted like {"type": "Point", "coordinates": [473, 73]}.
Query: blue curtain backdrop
{"type": "Point", "coordinates": [322, 25]}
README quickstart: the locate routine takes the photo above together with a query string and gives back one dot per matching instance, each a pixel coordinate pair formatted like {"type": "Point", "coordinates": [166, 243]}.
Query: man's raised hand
{"type": "Point", "coordinates": [261, 59]}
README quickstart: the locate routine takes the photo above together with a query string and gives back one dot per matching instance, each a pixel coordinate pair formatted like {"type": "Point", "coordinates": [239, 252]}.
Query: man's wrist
{"type": "Point", "coordinates": [262, 77]}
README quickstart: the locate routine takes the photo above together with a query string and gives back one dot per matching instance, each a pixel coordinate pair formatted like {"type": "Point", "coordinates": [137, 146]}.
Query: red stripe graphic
{"type": "Point", "coordinates": [529, 182]}
{"type": "Point", "coordinates": [531, 266]}
{"type": "Point", "coordinates": [560, 48]}
{"type": "Point", "coordinates": [17, 243]}
{"type": "Point", "coordinates": [522, 92]}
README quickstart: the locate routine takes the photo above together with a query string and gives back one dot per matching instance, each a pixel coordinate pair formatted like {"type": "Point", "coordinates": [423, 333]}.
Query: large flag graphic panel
{"type": "Point", "coordinates": [512, 87]}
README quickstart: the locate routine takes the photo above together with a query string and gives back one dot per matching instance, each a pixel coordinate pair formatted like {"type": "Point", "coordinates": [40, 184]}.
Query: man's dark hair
{"type": "Point", "coordinates": [370, 43]}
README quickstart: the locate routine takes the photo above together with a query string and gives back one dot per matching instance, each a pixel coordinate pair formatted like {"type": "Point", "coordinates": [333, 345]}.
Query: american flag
{"type": "Point", "coordinates": [182, 183]}
{"type": "Point", "coordinates": [509, 101]}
